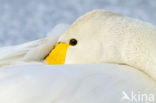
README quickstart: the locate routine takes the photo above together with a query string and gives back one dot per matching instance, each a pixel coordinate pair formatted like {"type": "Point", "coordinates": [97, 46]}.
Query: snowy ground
{"type": "Point", "coordinates": [26, 20]}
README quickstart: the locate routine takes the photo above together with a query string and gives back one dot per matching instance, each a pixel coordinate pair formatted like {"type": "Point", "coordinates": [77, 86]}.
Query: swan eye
{"type": "Point", "coordinates": [73, 42]}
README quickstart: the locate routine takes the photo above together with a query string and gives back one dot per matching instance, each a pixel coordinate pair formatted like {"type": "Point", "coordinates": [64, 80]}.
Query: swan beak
{"type": "Point", "coordinates": [58, 54]}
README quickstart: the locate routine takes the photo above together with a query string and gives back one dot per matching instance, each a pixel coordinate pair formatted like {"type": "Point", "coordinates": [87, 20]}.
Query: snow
{"type": "Point", "coordinates": [27, 20]}
{"type": "Point", "coordinates": [88, 83]}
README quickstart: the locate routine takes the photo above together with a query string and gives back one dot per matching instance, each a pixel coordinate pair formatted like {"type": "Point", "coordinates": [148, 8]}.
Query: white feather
{"type": "Point", "coordinates": [33, 51]}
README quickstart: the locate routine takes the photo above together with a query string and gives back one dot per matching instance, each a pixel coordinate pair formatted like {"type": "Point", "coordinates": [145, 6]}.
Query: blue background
{"type": "Point", "coordinates": [26, 20]}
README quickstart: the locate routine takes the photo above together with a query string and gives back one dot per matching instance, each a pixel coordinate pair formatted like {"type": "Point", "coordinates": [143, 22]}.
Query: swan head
{"type": "Point", "coordinates": [83, 41]}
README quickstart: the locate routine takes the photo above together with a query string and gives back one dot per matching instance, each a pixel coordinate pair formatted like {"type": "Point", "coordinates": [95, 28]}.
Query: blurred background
{"type": "Point", "coordinates": [26, 20]}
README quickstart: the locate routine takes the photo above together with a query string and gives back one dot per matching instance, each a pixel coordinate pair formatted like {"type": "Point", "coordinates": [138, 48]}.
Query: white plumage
{"type": "Point", "coordinates": [34, 51]}
{"type": "Point", "coordinates": [28, 80]}
{"type": "Point", "coordinates": [100, 83]}
{"type": "Point", "coordinates": [106, 37]}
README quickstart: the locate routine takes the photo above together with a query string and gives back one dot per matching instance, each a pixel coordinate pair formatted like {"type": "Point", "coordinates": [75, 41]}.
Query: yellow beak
{"type": "Point", "coordinates": [58, 54]}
